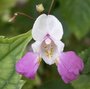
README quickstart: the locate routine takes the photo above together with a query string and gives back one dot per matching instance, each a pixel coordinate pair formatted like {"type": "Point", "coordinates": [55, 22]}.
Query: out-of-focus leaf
{"type": "Point", "coordinates": [76, 14]}
{"type": "Point", "coordinates": [83, 82]}
{"type": "Point", "coordinates": [11, 49]}
{"type": "Point", "coordinates": [6, 4]}
{"type": "Point", "coordinates": [85, 55]}
{"type": "Point", "coordinates": [55, 84]}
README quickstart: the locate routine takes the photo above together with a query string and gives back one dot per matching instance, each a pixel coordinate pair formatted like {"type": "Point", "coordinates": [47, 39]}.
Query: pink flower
{"type": "Point", "coordinates": [69, 66]}
{"type": "Point", "coordinates": [28, 65]}
{"type": "Point", "coordinates": [47, 33]}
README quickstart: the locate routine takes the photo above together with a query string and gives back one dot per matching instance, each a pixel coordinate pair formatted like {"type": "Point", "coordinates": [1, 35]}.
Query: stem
{"type": "Point", "coordinates": [50, 7]}
{"type": "Point", "coordinates": [20, 13]}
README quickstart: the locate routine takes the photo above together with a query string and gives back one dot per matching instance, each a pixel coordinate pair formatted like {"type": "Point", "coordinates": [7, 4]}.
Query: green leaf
{"type": "Point", "coordinates": [76, 14]}
{"type": "Point", "coordinates": [85, 55]}
{"type": "Point", "coordinates": [11, 49]}
{"type": "Point", "coordinates": [83, 82]}
{"type": "Point", "coordinates": [55, 84]}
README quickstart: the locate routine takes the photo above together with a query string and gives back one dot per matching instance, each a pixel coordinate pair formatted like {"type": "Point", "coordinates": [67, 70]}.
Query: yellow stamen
{"type": "Point", "coordinates": [39, 60]}
{"type": "Point", "coordinates": [49, 53]}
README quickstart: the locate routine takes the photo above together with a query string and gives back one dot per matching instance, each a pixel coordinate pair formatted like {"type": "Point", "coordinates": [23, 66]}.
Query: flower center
{"type": "Point", "coordinates": [48, 47]}
{"type": "Point", "coordinates": [49, 53]}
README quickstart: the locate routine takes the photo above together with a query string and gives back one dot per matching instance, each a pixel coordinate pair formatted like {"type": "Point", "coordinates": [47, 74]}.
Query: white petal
{"type": "Point", "coordinates": [47, 24]}
{"type": "Point", "coordinates": [60, 45]}
{"type": "Point", "coordinates": [55, 27]}
{"type": "Point", "coordinates": [39, 30]}
{"type": "Point", "coordinates": [36, 46]}
{"type": "Point", "coordinates": [51, 60]}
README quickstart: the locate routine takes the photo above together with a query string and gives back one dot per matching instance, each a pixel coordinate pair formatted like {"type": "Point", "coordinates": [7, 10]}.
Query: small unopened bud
{"type": "Point", "coordinates": [40, 8]}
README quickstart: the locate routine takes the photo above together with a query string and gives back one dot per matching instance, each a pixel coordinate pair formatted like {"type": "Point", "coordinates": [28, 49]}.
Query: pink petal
{"type": "Point", "coordinates": [28, 65]}
{"type": "Point", "coordinates": [70, 65]}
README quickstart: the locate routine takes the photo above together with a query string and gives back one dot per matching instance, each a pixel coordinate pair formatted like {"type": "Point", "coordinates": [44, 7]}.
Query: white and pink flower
{"type": "Point", "coordinates": [47, 32]}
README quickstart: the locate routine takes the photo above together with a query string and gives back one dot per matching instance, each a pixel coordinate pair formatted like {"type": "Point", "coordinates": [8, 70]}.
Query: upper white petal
{"type": "Point", "coordinates": [39, 30]}
{"type": "Point", "coordinates": [54, 27]}
{"type": "Point", "coordinates": [47, 24]}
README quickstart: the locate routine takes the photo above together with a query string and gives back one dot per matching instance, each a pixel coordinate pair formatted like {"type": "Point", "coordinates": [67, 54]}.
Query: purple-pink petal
{"type": "Point", "coordinates": [70, 65]}
{"type": "Point", "coordinates": [28, 65]}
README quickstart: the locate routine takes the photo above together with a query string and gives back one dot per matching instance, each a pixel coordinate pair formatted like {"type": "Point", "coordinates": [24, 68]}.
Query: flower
{"type": "Point", "coordinates": [28, 65]}
{"type": "Point", "coordinates": [69, 66]}
{"type": "Point", "coordinates": [47, 32]}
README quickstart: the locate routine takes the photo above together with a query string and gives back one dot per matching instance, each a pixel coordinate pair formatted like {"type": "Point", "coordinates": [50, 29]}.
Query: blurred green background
{"type": "Point", "coordinates": [75, 18]}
